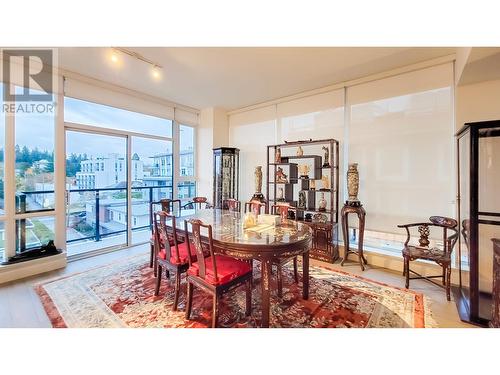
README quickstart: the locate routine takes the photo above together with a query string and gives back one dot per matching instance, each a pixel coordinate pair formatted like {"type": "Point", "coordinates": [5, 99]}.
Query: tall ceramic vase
{"type": "Point", "coordinates": [353, 182]}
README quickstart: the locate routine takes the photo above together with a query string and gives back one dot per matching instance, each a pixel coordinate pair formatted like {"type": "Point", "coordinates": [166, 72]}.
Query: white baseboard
{"type": "Point", "coordinates": [33, 267]}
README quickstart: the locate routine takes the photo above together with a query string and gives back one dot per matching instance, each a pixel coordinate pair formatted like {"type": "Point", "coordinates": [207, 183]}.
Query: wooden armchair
{"type": "Point", "coordinates": [231, 204]}
{"type": "Point", "coordinates": [216, 274]}
{"type": "Point", "coordinates": [422, 251]}
{"type": "Point", "coordinates": [167, 205]}
{"type": "Point", "coordinates": [282, 210]}
{"type": "Point", "coordinates": [197, 203]}
{"type": "Point", "coordinates": [173, 258]}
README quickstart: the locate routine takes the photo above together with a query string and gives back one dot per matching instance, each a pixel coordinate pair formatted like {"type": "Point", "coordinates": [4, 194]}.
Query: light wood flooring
{"type": "Point", "coordinates": [21, 307]}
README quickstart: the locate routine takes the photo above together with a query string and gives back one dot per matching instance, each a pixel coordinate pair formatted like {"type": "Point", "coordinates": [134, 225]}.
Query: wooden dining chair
{"type": "Point", "coordinates": [231, 204]}
{"type": "Point", "coordinates": [167, 205]}
{"type": "Point", "coordinates": [282, 210]}
{"type": "Point", "coordinates": [255, 206]}
{"type": "Point", "coordinates": [197, 203]}
{"type": "Point", "coordinates": [423, 250]}
{"type": "Point", "coordinates": [216, 274]}
{"type": "Point", "coordinates": [174, 258]}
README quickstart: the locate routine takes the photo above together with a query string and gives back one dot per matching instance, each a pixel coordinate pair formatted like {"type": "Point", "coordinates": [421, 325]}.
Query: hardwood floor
{"type": "Point", "coordinates": [21, 307]}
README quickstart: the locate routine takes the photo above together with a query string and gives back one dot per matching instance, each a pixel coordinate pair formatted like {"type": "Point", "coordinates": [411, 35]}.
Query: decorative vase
{"type": "Point", "coordinates": [322, 203]}
{"type": "Point", "coordinates": [300, 152]}
{"type": "Point", "coordinates": [353, 182]}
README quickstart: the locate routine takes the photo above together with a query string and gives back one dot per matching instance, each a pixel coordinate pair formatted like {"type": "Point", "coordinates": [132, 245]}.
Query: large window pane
{"type": "Point", "coordinates": [88, 113]}
{"type": "Point", "coordinates": [34, 232]}
{"type": "Point", "coordinates": [34, 160]}
{"type": "Point", "coordinates": [154, 158]}
{"type": "Point", "coordinates": [96, 181]}
{"type": "Point", "coordinates": [186, 191]}
{"type": "Point", "coordinates": [186, 157]}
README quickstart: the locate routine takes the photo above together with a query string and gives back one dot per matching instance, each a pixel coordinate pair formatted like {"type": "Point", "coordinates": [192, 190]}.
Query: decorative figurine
{"type": "Point", "coordinates": [326, 162]}
{"type": "Point", "coordinates": [300, 152]}
{"type": "Point", "coordinates": [277, 155]}
{"type": "Point", "coordinates": [353, 184]}
{"type": "Point", "coordinates": [302, 199]}
{"type": "Point", "coordinates": [312, 185]}
{"type": "Point", "coordinates": [281, 177]}
{"type": "Point", "coordinates": [322, 203]}
{"type": "Point", "coordinates": [325, 183]}
{"type": "Point", "coordinates": [304, 170]}
{"type": "Point", "coordinates": [258, 196]}
{"type": "Point", "coordinates": [279, 197]}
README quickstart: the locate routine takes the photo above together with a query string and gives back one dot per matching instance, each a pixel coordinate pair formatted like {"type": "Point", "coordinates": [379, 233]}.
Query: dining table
{"type": "Point", "coordinates": [269, 241]}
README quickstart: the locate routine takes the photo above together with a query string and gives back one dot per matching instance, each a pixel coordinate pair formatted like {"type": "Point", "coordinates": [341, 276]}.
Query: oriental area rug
{"type": "Point", "coordinates": [121, 295]}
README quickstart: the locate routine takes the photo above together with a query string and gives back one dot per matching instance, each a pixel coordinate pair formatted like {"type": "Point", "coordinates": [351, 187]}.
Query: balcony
{"type": "Point", "coordinates": [95, 218]}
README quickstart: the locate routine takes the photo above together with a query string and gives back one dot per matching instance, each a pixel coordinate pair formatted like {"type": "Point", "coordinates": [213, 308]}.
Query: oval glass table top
{"type": "Point", "coordinates": [227, 226]}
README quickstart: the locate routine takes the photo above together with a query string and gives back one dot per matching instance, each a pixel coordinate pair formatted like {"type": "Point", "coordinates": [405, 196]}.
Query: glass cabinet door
{"type": "Point", "coordinates": [464, 190]}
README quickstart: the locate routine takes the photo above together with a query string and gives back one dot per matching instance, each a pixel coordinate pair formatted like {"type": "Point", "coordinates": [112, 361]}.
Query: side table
{"type": "Point", "coordinates": [356, 208]}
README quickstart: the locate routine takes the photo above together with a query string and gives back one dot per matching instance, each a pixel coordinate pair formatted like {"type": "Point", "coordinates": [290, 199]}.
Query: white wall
{"type": "Point", "coordinates": [212, 132]}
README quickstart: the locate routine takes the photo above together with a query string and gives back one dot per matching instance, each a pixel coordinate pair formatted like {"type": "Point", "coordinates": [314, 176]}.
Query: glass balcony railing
{"type": "Point", "coordinates": [95, 218]}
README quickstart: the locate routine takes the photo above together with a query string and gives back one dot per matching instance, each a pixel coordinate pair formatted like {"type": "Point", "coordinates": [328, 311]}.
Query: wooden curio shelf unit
{"type": "Point", "coordinates": [313, 156]}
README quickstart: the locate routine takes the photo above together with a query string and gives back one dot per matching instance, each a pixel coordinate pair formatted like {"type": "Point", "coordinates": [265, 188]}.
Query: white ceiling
{"type": "Point", "coordinates": [237, 77]}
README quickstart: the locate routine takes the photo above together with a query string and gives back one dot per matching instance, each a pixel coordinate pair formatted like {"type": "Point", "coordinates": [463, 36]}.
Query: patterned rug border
{"type": "Point", "coordinates": [422, 312]}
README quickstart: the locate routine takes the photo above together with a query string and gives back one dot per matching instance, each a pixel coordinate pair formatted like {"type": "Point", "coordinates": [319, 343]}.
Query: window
{"type": "Point", "coordinates": [34, 168]}
{"type": "Point", "coordinates": [77, 111]}
{"type": "Point", "coordinates": [186, 150]}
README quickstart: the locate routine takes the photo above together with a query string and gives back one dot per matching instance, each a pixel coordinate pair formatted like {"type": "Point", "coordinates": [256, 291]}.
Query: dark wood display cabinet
{"type": "Point", "coordinates": [305, 174]}
{"type": "Point", "coordinates": [478, 177]}
{"type": "Point", "coordinates": [226, 174]}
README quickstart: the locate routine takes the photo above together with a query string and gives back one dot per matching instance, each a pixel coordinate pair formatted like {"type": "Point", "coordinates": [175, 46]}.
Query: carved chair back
{"type": "Point", "coordinates": [231, 204]}
{"type": "Point", "coordinates": [199, 249]}
{"type": "Point", "coordinates": [254, 206]}
{"type": "Point", "coordinates": [424, 230]}
{"type": "Point", "coordinates": [166, 234]}
{"type": "Point", "coordinates": [282, 210]}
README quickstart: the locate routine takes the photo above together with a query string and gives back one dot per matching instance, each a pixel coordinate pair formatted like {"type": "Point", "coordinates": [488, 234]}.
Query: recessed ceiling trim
{"type": "Point", "coordinates": [350, 83]}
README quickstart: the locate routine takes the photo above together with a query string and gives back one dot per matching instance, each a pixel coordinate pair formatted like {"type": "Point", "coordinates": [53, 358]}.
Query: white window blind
{"type": "Point", "coordinates": [401, 135]}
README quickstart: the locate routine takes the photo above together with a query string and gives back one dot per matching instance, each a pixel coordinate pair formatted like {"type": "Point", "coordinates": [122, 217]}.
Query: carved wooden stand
{"type": "Point", "coordinates": [360, 211]}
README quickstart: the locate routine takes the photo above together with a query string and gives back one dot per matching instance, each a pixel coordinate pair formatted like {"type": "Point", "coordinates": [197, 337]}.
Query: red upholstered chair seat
{"type": "Point", "coordinates": [183, 254]}
{"type": "Point", "coordinates": [227, 269]}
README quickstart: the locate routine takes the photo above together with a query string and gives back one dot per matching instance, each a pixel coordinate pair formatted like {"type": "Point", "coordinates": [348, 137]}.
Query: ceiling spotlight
{"type": "Point", "coordinates": [114, 57]}
{"type": "Point", "coordinates": [156, 72]}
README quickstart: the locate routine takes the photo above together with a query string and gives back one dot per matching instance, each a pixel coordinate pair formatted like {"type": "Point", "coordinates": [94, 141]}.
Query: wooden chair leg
{"type": "Point", "coordinates": [280, 281]}
{"type": "Point", "coordinates": [177, 290]}
{"type": "Point", "coordinates": [295, 270]}
{"type": "Point", "coordinates": [448, 282]}
{"type": "Point", "coordinates": [167, 274]}
{"type": "Point", "coordinates": [248, 309]}
{"type": "Point", "coordinates": [158, 280]}
{"type": "Point", "coordinates": [215, 311]}
{"type": "Point", "coordinates": [407, 267]}
{"type": "Point", "coordinates": [189, 299]}
{"type": "Point", "coordinates": [444, 275]}
{"type": "Point", "coordinates": [151, 256]}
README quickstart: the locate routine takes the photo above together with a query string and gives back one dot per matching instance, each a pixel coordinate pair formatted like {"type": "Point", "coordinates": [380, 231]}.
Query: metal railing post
{"type": "Point", "coordinates": [97, 223]}
{"type": "Point", "coordinates": [150, 207]}
{"type": "Point", "coordinates": [22, 210]}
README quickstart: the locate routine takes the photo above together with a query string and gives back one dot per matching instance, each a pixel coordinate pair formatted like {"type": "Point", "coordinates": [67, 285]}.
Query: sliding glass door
{"type": "Point", "coordinates": [96, 191]}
